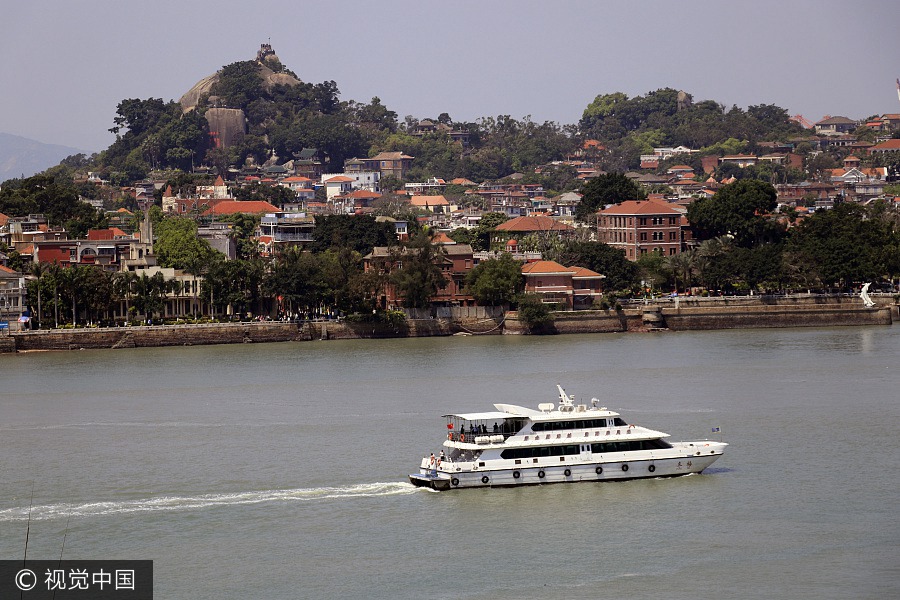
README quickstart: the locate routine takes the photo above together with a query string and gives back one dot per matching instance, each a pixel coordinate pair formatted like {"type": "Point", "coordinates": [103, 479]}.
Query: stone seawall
{"type": "Point", "coordinates": [155, 336]}
{"type": "Point", "coordinates": [827, 315]}
{"type": "Point", "coordinates": [680, 316]}
{"type": "Point", "coordinates": [715, 314]}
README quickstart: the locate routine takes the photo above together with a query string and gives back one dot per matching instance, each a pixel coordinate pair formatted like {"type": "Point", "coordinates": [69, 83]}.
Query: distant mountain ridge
{"type": "Point", "coordinates": [21, 156]}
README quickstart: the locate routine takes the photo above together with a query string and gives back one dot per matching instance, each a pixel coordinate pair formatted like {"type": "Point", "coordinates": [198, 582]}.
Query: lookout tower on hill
{"type": "Point", "coordinates": [266, 53]}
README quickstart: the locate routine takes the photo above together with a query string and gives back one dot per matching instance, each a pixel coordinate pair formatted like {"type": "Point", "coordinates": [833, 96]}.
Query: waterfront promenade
{"type": "Point", "coordinates": [663, 314]}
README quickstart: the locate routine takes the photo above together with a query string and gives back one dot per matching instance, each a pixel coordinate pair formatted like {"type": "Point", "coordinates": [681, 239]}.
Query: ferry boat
{"type": "Point", "coordinates": [558, 443]}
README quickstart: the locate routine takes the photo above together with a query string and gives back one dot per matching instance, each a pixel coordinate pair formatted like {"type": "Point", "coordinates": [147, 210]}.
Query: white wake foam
{"type": "Point", "coordinates": [181, 503]}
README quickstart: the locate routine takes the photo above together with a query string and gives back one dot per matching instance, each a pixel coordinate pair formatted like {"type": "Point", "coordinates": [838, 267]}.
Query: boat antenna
{"type": "Point", "coordinates": [27, 531]}
{"type": "Point", "coordinates": [61, 550]}
{"type": "Point", "coordinates": [28, 527]}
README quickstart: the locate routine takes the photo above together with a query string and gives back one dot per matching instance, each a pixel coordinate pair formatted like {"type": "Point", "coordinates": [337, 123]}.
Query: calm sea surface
{"type": "Point", "coordinates": [279, 470]}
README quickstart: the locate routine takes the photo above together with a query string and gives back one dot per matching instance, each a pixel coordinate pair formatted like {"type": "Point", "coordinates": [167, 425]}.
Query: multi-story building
{"type": "Point", "coordinates": [395, 164]}
{"type": "Point", "coordinates": [642, 226]}
{"type": "Point", "coordinates": [281, 229]}
{"type": "Point", "coordinates": [455, 264]}
{"type": "Point", "coordinates": [571, 287]}
{"type": "Point", "coordinates": [12, 298]}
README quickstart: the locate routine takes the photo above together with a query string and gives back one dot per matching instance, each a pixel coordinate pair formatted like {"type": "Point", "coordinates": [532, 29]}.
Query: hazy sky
{"type": "Point", "coordinates": [67, 64]}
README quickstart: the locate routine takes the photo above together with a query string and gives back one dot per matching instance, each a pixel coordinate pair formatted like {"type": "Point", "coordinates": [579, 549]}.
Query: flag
{"type": "Point", "coordinates": [716, 429]}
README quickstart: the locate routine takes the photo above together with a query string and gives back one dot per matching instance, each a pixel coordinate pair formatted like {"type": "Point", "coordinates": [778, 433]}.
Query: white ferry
{"type": "Point", "coordinates": [555, 444]}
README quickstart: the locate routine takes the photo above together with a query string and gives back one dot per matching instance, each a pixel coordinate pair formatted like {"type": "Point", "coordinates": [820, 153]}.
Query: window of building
{"type": "Point", "coordinates": [643, 236]}
{"type": "Point", "coordinates": [673, 220]}
{"type": "Point", "coordinates": [672, 251]}
{"type": "Point", "coordinates": [673, 236]}
{"type": "Point", "coordinates": [642, 221]}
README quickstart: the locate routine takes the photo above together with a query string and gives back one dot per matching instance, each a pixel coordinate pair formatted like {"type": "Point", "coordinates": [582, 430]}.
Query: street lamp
{"type": "Point", "coordinates": [4, 313]}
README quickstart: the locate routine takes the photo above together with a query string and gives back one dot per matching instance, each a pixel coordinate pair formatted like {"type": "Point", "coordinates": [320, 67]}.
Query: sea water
{"type": "Point", "coordinates": [280, 470]}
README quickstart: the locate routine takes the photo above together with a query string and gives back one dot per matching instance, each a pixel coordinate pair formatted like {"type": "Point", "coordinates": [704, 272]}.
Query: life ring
{"type": "Point", "coordinates": [624, 467]}
{"type": "Point", "coordinates": [454, 481]}
{"type": "Point", "coordinates": [516, 474]}
{"type": "Point", "coordinates": [567, 472]}
{"type": "Point", "coordinates": [651, 468]}
{"type": "Point", "coordinates": [462, 437]}
{"type": "Point", "coordinates": [540, 474]}
{"type": "Point", "coordinates": [599, 470]}
{"type": "Point", "coordinates": [485, 479]}
{"type": "Point", "coordinates": [450, 435]}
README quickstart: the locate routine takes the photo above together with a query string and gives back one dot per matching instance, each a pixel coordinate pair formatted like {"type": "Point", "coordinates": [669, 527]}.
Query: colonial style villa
{"type": "Point", "coordinates": [572, 287]}
{"type": "Point", "coordinates": [642, 226]}
{"type": "Point", "coordinates": [522, 226]}
{"type": "Point", "coordinates": [455, 264]}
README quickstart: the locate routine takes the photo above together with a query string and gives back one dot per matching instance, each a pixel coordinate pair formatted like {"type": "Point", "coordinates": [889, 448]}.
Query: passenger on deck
{"type": "Point", "coordinates": [496, 427]}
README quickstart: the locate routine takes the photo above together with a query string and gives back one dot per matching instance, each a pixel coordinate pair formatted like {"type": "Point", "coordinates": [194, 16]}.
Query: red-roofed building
{"type": "Point", "coordinates": [339, 184]}
{"type": "Point", "coordinates": [642, 226]}
{"type": "Point", "coordinates": [301, 186]}
{"type": "Point", "coordinates": [111, 233]}
{"type": "Point", "coordinates": [233, 207]}
{"type": "Point", "coordinates": [456, 261]}
{"type": "Point", "coordinates": [435, 204]}
{"type": "Point", "coordinates": [892, 145]}
{"type": "Point", "coordinates": [520, 227]}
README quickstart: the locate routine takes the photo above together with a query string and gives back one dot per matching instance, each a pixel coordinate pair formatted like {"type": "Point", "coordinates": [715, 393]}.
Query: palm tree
{"type": "Point", "coordinates": [708, 252]}
{"type": "Point", "coordinates": [124, 286]}
{"type": "Point", "coordinates": [682, 266]}
{"type": "Point", "coordinates": [38, 269]}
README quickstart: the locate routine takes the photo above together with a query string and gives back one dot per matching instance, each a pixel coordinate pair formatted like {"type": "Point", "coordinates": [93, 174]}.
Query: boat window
{"type": "Point", "coordinates": [543, 451]}
{"type": "Point", "coordinates": [630, 446]}
{"type": "Point", "coordinates": [581, 424]}
{"type": "Point", "coordinates": [619, 422]}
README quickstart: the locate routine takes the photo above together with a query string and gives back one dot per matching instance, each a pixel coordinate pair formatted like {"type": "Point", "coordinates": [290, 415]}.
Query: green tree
{"type": "Point", "coordinates": [532, 311]}
{"type": "Point", "coordinates": [360, 233]}
{"type": "Point", "coordinates": [741, 209]}
{"type": "Point", "coordinates": [150, 294]}
{"type": "Point", "coordinates": [296, 278]}
{"type": "Point", "coordinates": [846, 245]}
{"type": "Point", "coordinates": [495, 282]}
{"type": "Point", "coordinates": [418, 275]}
{"type": "Point", "coordinates": [59, 202]}
{"type": "Point", "coordinates": [178, 246]}
{"type": "Point", "coordinates": [610, 188]}
{"type": "Point", "coordinates": [481, 233]}
{"type": "Point", "coordinates": [652, 268]}
{"type": "Point", "coordinates": [621, 273]}
{"type": "Point", "coordinates": [233, 283]}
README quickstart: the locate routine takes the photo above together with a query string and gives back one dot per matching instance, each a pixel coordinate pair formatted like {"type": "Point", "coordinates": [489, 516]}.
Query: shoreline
{"type": "Point", "coordinates": [682, 314]}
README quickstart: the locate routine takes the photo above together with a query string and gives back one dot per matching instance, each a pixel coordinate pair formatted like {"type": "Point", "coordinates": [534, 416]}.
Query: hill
{"type": "Point", "coordinates": [22, 157]}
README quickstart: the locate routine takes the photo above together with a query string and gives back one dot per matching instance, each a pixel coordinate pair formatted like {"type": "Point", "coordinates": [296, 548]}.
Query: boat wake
{"type": "Point", "coordinates": [184, 503]}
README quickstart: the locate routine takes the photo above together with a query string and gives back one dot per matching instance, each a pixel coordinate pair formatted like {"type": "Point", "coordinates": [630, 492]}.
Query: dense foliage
{"type": "Point", "coordinates": [495, 282]}
{"type": "Point", "coordinates": [56, 200]}
{"type": "Point", "coordinates": [741, 210]}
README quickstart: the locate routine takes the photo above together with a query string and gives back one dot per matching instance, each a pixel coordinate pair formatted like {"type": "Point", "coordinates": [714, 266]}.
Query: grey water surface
{"type": "Point", "coordinates": [279, 470]}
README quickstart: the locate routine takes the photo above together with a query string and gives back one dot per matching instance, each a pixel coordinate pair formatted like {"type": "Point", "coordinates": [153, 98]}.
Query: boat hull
{"type": "Point", "coordinates": [564, 473]}
{"type": "Point", "coordinates": [434, 482]}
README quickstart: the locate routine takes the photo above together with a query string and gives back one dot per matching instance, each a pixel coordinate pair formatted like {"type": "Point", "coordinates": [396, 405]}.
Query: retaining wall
{"type": "Point", "coordinates": [680, 316]}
